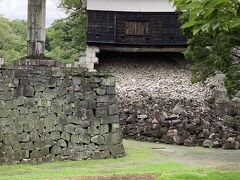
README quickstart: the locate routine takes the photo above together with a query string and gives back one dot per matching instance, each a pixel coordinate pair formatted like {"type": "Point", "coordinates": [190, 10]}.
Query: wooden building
{"type": "Point", "coordinates": [134, 23]}
{"type": "Point", "coordinates": [131, 26]}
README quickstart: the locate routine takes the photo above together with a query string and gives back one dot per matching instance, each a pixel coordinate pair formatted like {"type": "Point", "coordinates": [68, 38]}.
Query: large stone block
{"type": "Point", "coordinates": [35, 154]}
{"type": "Point", "coordinates": [70, 128]}
{"type": "Point", "coordinates": [77, 80]}
{"type": "Point", "coordinates": [98, 139]}
{"type": "Point", "coordinates": [103, 99]}
{"type": "Point", "coordinates": [10, 105]}
{"type": "Point", "coordinates": [4, 113]}
{"type": "Point", "coordinates": [67, 110]}
{"type": "Point", "coordinates": [111, 90]}
{"type": "Point", "coordinates": [61, 143]}
{"type": "Point", "coordinates": [85, 138]}
{"type": "Point", "coordinates": [16, 146]}
{"type": "Point", "coordinates": [105, 154]}
{"type": "Point", "coordinates": [104, 129]}
{"type": "Point", "coordinates": [90, 95]}
{"type": "Point", "coordinates": [75, 138]}
{"type": "Point", "coordinates": [50, 94]}
{"type": "Point", "coordinates": [9, 139]}
{"type": "Point", "coordinates": [20, 100]}
{"type": "Point", "coordinates": [24, 137]}
{"type": "Point", "coordinates": [33, 117]}
{"type": "Point", "coordinates": [117, 150]}
{"type": "Point", "coordinates": [23, 111]}
{"type": "Point", "coordinates": [49, 158]}
{"type": "Point", "coordinates": [55, 135]}
{"type": "Point", "coordinates": [28, 91]}
{"type": "Point", "coordinates": [66, 136]}
{"type": "Point", "coordinates": [66, 152]}
{"type": "Point", "coordinates": [27, 146]}
{"type": "Point", "coordinates": [22, 154]}
{"type": "Point", "coordinates": [115, 127]}
{"type": "Point", "coordinates": [30, 103]}
{"type": "Point", "coordinates": [42, 102]}
{"type": "Point", "coordinates": [51, 82]}
{"type": "Point", "coordinates": [35, 135]}
{"type": "Point", "coordinates": [93, 130]}
{"type": "Point", "coordinates": [56, 108]}
{"type": "Point", "coordinates": [21, 73]}
{"type": "Point", "coordinates": [50, 120]}
{"type": "Point", "coordinates": [88, 114]}
{"type": "Point", "coordinates": [38, 145]}
{"type": "Point", "coordinates": [56, 150]}
{"type": "Point", "coordinates": [7, 150]}
{"type": "Point", "coordinates": [39, 87]}
{"type": "Point", "coordinates": [110, 119]}
{"type": "Point", "coordinates": [45, 136]}
{"type": "Point", "coordinates": [3, 122]}
{"type": "Point", "coordinates": [2, 104]}
{"type": "Point", "coordinates": [101, 111]}
{"type": "Point", "coordinates": [106, 99]}
{"type": "Point", "coordinates": [110, 81]}
{"type": "Point", "coordinates": [112, 109]}
{"type": "Point", "coordinates": [4, 87]}
{"type": "Point", "coordinates": [18, 128]}
{"type": "Point", "coordinates": [80, 130]}
{"type": "Point", "coordinates": [49, 143]}
{"type": "Point", "coordinates": [91, 104]}
{"type": "Point", "coordinates": [113, 138]}
{"type": "Point", "coordinates": [44, 151]}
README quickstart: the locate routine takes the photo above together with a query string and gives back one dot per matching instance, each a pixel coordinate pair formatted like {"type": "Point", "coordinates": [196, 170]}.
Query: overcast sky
{"type": "Point", "coordinates": [17, 9]}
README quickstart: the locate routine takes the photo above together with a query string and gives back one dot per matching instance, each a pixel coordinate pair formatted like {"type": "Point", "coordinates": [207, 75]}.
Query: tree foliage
{"type": "Point", "coordinates": [213, 31]}
{"type": "Point", "coordinates": [66, 37]}
{"type": "Point", "coordinates": [13, 39]}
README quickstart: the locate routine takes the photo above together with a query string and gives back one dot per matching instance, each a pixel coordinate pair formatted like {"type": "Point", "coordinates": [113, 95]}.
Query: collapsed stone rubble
{"type": "Point", "coordinates": [157, 102]}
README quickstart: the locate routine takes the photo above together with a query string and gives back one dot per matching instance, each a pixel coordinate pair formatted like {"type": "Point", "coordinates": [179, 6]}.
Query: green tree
{"type": "Point", "coordinates": [66, 37]}
{"type": "Point", "coordinates": [13, 39]}
{"type": "Point", "coordinates": [212, 28]}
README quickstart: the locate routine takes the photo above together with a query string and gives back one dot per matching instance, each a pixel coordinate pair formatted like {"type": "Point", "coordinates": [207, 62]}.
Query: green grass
{"type": "Point", "coordinates": [140, 159]}
{"type": "Point", "coordinates": [214, 175]}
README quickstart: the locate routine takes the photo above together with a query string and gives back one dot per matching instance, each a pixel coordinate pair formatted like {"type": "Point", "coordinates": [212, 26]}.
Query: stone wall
{"type": "Point", "coordinates": [49, 114]}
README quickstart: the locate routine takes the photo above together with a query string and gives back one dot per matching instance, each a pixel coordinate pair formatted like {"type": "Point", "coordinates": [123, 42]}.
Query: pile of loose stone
{"type": "Point", "coordinates": [158, 102]}
{"type": "Point", "coordinates": [53, 113]}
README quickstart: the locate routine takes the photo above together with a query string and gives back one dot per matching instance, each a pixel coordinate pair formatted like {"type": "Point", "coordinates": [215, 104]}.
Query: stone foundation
{"type": "Point", "coordinates": [1, 61]}
{"type": "Point", "coordinates": [52, 113]}
{"type": "Point", "coordinates": [90, 58]}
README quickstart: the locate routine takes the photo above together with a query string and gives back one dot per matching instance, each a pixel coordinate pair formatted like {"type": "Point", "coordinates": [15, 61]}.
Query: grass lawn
{"type": "Point", "coordinates": [141, 158]}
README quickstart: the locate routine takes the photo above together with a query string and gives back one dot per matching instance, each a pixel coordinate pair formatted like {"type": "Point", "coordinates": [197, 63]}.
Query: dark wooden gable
{"type": "Point", "coordinates": [134, 28]}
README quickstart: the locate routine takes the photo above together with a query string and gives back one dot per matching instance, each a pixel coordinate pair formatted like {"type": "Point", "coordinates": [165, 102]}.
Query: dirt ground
{"type": "Point", "coordinates": [198, 156]}
{"type": "Point", "coordinates": [130, 177]}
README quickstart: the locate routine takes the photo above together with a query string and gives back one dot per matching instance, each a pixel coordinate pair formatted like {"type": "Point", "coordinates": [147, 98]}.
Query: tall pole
{"type": "Point", "coordinates": [36, 28]}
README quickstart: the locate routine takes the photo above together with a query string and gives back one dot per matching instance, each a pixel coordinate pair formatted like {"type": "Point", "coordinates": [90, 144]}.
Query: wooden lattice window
{"type": "Point", "coordinates": [139, 28]}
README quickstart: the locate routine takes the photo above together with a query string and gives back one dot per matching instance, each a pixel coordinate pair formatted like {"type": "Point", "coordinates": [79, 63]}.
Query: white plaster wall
{"type": "Point", "coordinates": [131, 5]}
